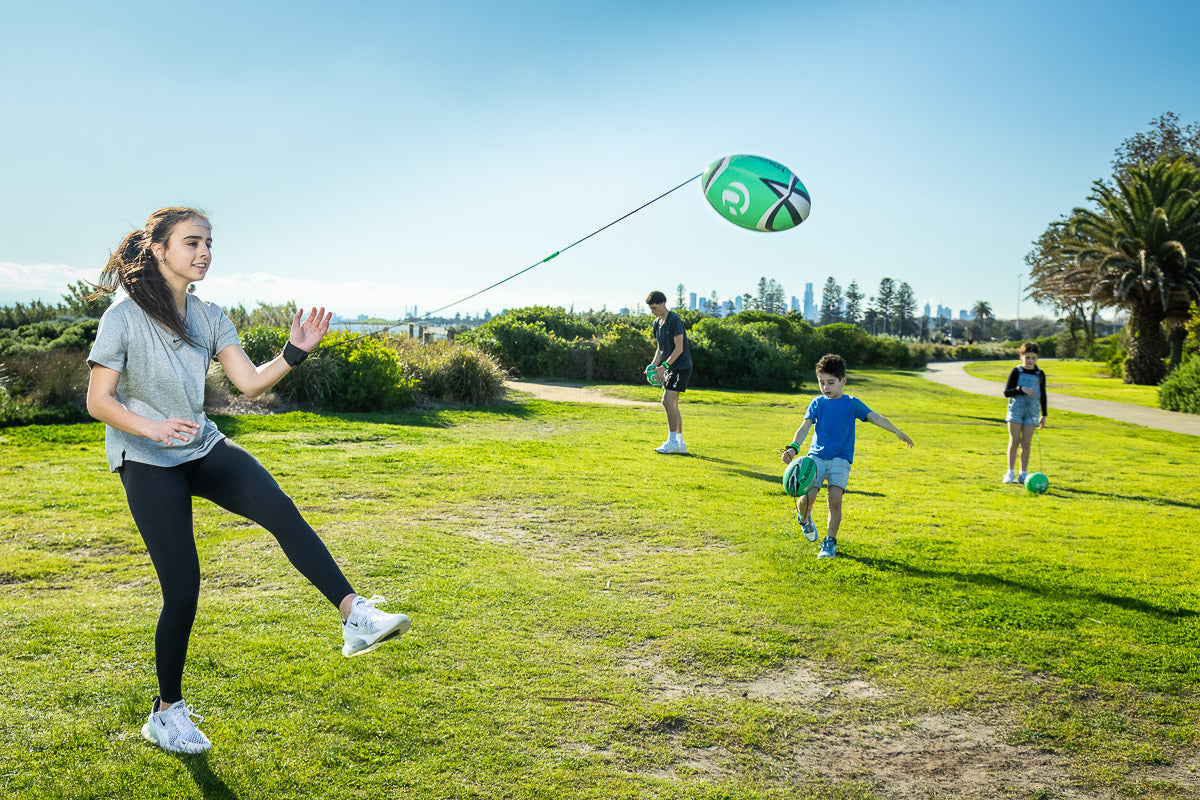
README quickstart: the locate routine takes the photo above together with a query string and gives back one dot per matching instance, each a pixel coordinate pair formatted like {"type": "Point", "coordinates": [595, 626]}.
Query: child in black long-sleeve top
{"type": "Point", "coordinates": [1026, 392]}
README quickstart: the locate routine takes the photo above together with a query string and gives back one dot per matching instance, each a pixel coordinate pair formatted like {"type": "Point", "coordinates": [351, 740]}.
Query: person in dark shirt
{"type": "Point", "coordinates": [673, 356]}
{"type": "Point", "coordinates": [1026, 393]}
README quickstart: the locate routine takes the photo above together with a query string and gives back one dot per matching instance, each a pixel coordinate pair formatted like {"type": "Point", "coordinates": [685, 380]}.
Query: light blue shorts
{"type": "Point", "coordinates": [1024, 410]}
{"type": "Point", "coordinates": [835, 470]}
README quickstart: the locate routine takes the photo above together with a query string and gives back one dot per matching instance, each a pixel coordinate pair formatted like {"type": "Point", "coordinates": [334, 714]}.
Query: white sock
{"type": "Point", "coordinates": [675, 437]}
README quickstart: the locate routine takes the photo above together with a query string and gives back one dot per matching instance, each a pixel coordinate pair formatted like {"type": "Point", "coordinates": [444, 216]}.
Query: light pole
{"type": "Point", "coordinates": [1019, 276]}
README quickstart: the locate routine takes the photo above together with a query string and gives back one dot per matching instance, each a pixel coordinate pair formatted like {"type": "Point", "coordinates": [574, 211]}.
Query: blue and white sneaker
{"type": "Point", "coordinates": [808, 526]}
{"type": "Point", "coordinates": [367, 627]}
{"type": "Point", "coordinates": [828, 548]}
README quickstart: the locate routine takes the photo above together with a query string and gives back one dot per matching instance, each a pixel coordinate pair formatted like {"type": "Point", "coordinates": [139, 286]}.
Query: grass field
{"type": "Point", "coordinates": [1090, 379]}
{"type": "Point", "coordinates": [591, 620]}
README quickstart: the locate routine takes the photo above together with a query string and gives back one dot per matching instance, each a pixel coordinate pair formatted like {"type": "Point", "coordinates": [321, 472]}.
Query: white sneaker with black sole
{"type": "Point", "coordinates": [173, 729]}
{"type": "Point", "coordinates": [367, 627]}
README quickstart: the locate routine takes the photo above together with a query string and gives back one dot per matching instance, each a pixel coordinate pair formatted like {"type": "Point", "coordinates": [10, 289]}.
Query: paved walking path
{"type": "Point", "coordinates": [952, 374]}
{"type": "Point", "coordinates": [947, 373]}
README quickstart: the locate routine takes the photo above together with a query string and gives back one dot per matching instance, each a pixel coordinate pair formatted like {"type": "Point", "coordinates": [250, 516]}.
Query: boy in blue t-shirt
{"type": "Point", "coordinates": [833, 415]}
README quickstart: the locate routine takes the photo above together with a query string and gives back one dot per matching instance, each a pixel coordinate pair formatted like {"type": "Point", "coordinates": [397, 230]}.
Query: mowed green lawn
{"type": "Point", "coordinates": [1090, 379]}
{"type": "Point", "coordinates": [592, 620]}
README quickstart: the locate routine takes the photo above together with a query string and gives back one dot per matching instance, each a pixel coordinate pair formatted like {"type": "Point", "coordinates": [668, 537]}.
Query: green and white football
{"type": "Point", "coordinates": [755, 193]}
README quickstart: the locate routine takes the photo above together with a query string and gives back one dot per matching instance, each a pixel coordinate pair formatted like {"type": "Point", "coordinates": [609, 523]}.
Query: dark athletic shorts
{"type": "Point", "coordinates": [677, 380]}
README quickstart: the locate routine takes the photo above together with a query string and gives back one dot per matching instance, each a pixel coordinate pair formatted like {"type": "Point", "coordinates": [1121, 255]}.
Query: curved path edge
{"type": "Point", "coordinates": [568, 393]}
{"type": "Point", "coordinates": [952, 374]}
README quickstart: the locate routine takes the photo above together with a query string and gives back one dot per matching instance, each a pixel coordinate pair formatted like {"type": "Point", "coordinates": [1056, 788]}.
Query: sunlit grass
{"type": "Point", "coordinates": [1090, 379]}
{"type": "Point", "coordinates": [558, 573]}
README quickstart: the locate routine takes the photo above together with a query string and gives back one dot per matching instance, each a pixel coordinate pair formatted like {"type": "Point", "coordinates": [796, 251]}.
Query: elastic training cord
{"type": "Point", "coordinates": [510, 277]}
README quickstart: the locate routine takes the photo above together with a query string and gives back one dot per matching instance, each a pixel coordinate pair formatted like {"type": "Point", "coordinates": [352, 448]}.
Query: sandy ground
{"type": "Point", "coordinates": [568, 393]}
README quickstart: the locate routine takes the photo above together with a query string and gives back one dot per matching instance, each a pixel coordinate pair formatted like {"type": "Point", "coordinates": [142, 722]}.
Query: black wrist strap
{"type": "Point", "coordinates": [293, 355]}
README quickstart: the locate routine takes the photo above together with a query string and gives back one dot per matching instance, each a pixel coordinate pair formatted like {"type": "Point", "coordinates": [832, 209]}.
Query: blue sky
{"type": "Point", "coordinates": [373, 156]}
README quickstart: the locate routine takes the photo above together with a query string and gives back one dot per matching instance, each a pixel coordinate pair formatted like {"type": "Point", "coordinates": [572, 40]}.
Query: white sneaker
{"type": "Point", "coordinates": [665, 447]}
{"type": "Point", "coordinates": [1010, 477]}
{"type": "Point", "coordinates": [173, 729]}
{"type": "Point", "coordinates": [680, 447]}
{"type": "Point", "coordinates": [672, 448]}
{"type": "Point", "coordinates": [367, 627]}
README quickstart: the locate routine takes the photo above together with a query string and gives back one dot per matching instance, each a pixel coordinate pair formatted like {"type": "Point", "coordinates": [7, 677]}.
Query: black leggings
{"type": "Point", "coordinates": [160, 499]}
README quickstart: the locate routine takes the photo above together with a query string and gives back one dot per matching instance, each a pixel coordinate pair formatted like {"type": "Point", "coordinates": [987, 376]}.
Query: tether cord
{"type": "Point", "coordinates": [510, 277]}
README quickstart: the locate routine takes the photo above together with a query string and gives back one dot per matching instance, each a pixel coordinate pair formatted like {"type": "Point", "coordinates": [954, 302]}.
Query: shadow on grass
{"type": "Point", "coordinates": [210, 785]}
{"type": "Point", "coordinates": [989, 420]}
{"type": "Point", "coordinates": [1158, 501]}
{"type": "Point", "coordinates": [995, 582]}
{"type": "Point", "coordinates": [438, 418]}
{"type": "Point", "coordinates": [731, 466]}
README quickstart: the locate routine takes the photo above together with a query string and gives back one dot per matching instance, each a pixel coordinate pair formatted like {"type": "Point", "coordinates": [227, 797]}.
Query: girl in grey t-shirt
{"type": "Point", "coordinates": [148, 364]}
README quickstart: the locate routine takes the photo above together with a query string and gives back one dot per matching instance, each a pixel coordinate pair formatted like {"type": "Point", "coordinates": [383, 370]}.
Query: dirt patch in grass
{"type": "Point", "coordinates": [936, 755]}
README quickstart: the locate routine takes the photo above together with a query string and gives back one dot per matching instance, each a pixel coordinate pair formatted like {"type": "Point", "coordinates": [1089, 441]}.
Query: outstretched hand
{"type": "Point", "coordinates": [307, 333]}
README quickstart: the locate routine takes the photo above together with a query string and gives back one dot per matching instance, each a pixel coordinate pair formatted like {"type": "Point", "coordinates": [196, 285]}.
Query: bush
{"type": "Point", "coordinates": [743, 357]}
{"type": "Point", "coordinates": [347, 373]}
{"type": "Point", "coordinates": [1181, 389]}
{"type": "Point", "coordinates": [623, 352]}
{"type": "Point", "coordinates": [370, 378]}
{"type": "Point", "coordinates": [42, 336]}
{"type": "Point", "coordinates": [43, 387]}
{"type": "Point", "coordinates": [523, 347]}
{"type": "Point", "coordinates": [452, 371]}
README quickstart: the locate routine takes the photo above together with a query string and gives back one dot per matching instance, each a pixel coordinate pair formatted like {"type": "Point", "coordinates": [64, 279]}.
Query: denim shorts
{"type": "Point", "coordinates": [1024, 411]}
{"type": "Point", "coordinates": [835, 470]}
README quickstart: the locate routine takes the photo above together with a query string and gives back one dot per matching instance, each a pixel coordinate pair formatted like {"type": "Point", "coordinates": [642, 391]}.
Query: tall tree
{"type": "Point", "coordinates": [1060, 281]}
{"type": "Point", "coordinates": [762, 300]}
{"type": "Point", "coordinates": [854, 304]}
{"type": "Point", "coordinates": [775, 298]}
{"type": "Point", "coordinates": [680, 296]}
{"type": "Point", "coordinates": [1144, 239]}
{"type": "Point", "coordinates": [905, 308]}
{"type": "Point", "coordinates": [885, 301]}
{"type": "Point", "coordinates": [831, 302]}
{"type": "Point", "coordinates": [1165, 139]}
{"type": "Point", "coordinates": [981, 313]}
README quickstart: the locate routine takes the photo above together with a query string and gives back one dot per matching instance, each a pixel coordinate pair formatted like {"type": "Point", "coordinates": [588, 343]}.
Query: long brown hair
{"type": "Point", "coordinates": [133, 267]}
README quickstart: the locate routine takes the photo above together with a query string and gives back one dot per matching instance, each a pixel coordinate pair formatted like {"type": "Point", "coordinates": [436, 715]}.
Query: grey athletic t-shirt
{"type": "Point", "coordinates": [162, 376]}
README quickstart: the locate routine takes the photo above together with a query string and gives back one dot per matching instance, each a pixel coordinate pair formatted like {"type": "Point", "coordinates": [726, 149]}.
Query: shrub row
{"type": "Point", "coordinates": [39, 337]}
{"type": "Point", "coordinates": [751, 350]}
{"type": "Point", "coordinates": [379, 373]}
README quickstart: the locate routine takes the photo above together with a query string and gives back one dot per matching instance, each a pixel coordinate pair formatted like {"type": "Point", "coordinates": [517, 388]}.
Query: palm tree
{"type": "Point", "coordinates": [981, 312]}
{"type": "Point", "coordinates": [1144, 243]}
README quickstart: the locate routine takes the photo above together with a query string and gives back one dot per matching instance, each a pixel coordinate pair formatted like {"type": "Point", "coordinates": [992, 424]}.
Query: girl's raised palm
{"type": "Point", "coordinates": [307, 333]}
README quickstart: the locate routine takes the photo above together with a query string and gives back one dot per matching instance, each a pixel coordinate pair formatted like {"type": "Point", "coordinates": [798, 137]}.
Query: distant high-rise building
{"type": "Point", "coordinates": [810, 307]}
{"type": "Point", "coordinates": [927, 309]}
{"type": "Point", "coordinates": [737, 304]}
{"type": "Point", "coordinates": [692, 301]}
{"type": "Point", "coordinates": [795, 304]}
{"type": "Point", "coordinates": [701, 304]}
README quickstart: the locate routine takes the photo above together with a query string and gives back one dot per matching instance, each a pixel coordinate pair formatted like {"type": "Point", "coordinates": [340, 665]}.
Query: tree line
{"type": "Point", "coordinates": [891, 311]}
{"type": "Point", "coordinates": [1135, 247]}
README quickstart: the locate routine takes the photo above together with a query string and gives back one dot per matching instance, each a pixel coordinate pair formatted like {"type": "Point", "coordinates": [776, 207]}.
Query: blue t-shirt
{"type": "Point", "coordinates": [833, 425]}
